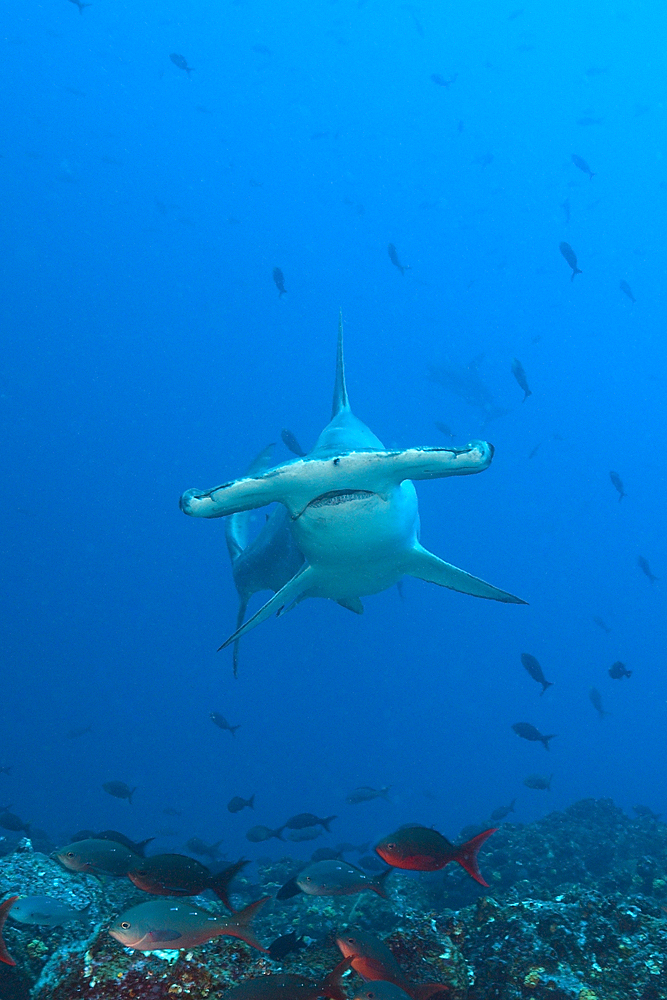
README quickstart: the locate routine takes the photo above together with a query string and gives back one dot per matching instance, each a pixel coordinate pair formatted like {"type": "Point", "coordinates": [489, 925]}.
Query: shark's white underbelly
{"type": "Point", "coordinates": [357, 544]}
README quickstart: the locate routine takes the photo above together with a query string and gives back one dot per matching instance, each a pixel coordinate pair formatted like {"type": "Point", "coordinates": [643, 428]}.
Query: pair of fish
{"type": "Point", "coordinates": [351, 512]}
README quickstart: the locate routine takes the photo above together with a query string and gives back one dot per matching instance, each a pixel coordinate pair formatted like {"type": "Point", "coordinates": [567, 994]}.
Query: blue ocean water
{"type": "Point", "coordinates": [146, 350]}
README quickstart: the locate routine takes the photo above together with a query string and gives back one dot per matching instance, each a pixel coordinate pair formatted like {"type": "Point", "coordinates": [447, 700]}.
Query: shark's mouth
{"type": "Point", "coordinates": [335, 497]}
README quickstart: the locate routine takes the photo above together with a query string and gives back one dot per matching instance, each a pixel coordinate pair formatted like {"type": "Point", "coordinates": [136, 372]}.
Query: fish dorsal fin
{"type": "Point", "coordinates": [340, 400]}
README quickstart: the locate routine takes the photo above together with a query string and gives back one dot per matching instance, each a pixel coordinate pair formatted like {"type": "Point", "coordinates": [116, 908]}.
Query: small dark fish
{"type": "Point", "coordinates": [589, 121]}
{"type": "Point", "coordinates": [45, 911]}
{"type": "Point", "coordinates": [645, 813]}
{"type": "Point", "coordinates": [346, 848]}
{"type": "Point", "coordinates": [520, 376]}
{"type": "Point", "coordinates": [74, 734]}
{"type": "Point", "coordinates": [538, 782]}
{"type": "Point", "coordinates": [422, 849]}
{"type": "Point", "coordinates": [236, 804]}
{"type": "Point", "coordinates": [646, 569]}
{"type": "Point", "coordinates": [566, 210]}
{"type": "Point", "coordinates": [291, 442]}
{"type": "Point", "coordinates": [440, 80]}
{"type": "Point", "coordinates": [181, 62]}
{"type": "Point", "coordinates": [625, 288]}
{"type": "Point", "coordinates": [596, 702]}
{"type": "Point", "coordinates": [288, 986]}
{"type": "Point", "coordinates": [221, 723]}
{"type": "Point", "coordinates": [445, 429]}
{"type": "Point", "coordinates": [393, 257]}
{"type": "Point", "coordinates": [582, 165]}
{"type": "Point", "coordinates": [325, 854]}
{"type": "Point", "coordinates": [173, 923]}
{"type": "Point", "coordinates": [279, 281]}
{"type": "Point", "coordinates": [305, 833]}
{"type": "Point", "coordinates": [5, 907]}
{"type": "Point", "coordinates": [571, 257]}
{"type": "Point", "coordinates": [618, 670]}
{"type": "Point", "coordinates": [535, 450]}
{"type": "Point", "coordinates": [6, 768]}
{"type": "Point", "coordinates": [618, 484]}
{"type": "Point", "coordinates": [308, 819]}
{"type": "Point", "coordinates": [365, 794]}
{"type": "Point", "coordinates": [169, 811]}
{"type": "Point", "coordinates": [601, 624]}
{"type": "Point", "coordinates": [204, 850]}
{"type": "Point", "coordinates": [285, 945]}
{"type": "Point", "coordinates": [10, 821]}
{"type": "Point", "coordinates": [528, 732]}
{"type": "Point", "coordinates": [178, 875]}
{"type": "Point", "coordinates": [484, 160]}
{"type": "Point", "coordinates": [258, 834]}
{"type": "Point", "coordinates": [81, 5]}
{"type": "Point", "coordinates": [502, 812]}
{"type": "Point", "coordinates": [119, 790]}
{"type": "Point", "coordinates": [535, 670]}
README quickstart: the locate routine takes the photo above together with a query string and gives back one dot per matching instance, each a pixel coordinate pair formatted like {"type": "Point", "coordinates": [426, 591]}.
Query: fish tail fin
{"type": "Point", "coordinates": [331, 986]}
{"type": "Point", "coordinates": [340, 400]}
{"type": "Point", "coordinates": [628, 673]}
{"type": "Point", "coordinates": [219, 884]}
{"type": "Point", "coordinates": [278, 834]}
{"type": "Point", "coordinates": [142, 845]}
{"type": "Point", "coordinates": [129, 798]}
{"type": "Point", "coordinates": [545, 685]}
{"type": "Point", "coordinates": [233, 729]}
{"type": "Point", "coordinates": [240, 925]}
{"type": "Point", "coordinates": [325, 822]}
{"type": "Point", "coordinates": [545, 739]}
{"type": "Point", "coordinates": [378, 883]}
{"type": "Point", "coordinates": [251, 802]}
{"type": "Point", "coordinates": [4, 910]}
{"type": "Point", "coordinates": [575, 272]}
{"type": "Point", "coordinates": [527, 394]}
{"type": "Point", "coordinates": [384, 793]}
{"type": "Point", "coordinates": [466, 855]}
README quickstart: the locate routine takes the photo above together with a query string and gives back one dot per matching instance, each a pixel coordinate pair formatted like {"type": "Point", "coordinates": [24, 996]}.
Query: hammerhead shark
{"type": "Point", "coordinates": [353, 512]}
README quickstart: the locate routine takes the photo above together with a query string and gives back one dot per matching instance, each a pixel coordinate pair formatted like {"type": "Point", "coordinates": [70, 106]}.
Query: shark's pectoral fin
{"type": "Point", "coordinates": [294, 590]}
{"type": "Point", "coordinates": [352, 604]}
{"type": "Point", "coordinates": [425, 566]}
{"type": "Point", "coordinates": [243, 604]}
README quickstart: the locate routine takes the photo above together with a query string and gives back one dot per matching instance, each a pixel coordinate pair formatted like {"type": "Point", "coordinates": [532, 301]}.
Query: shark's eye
{"type": "Point", "coordinates": [125, 925]}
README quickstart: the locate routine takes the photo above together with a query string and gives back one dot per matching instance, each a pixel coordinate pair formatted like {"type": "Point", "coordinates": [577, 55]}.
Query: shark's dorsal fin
{"type": "Point", "coordinates": [340, 400]}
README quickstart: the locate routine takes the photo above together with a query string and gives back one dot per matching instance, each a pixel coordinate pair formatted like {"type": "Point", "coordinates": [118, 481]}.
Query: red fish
{"type": "Point", "coordinates": [421, 849]}
{"type": "Point", "coordinates": [4, 910]}
{"type": "Point", "coordinates": [372, 960]}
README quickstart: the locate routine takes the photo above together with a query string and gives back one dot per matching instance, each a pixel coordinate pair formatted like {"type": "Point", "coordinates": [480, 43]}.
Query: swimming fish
{"type": "Point", "coordinates": [221, 723]}
{"type": "Point", "coordinates": [601, 624]}
{"type": "Point", "coordinates": [305, 833]}
{"type": "Point", "coordinates": [45, 911]}
{"type": "Point", "coordinates": [618, 484]}
{"type": "Point", "coordinates": [237, 804]}
{"type": "Point", "coordinates": [279, 281]}
{"type": "Point", "coordinates": [287, 986]}
{"type": "Point", "coordinates": [169, 923]}
{"type": "Point", "coordinates": [520, 376]}
{"type": "Point", "coordinates": [308, 819]}
{"type": "Point", "coordinates": [10, 821]}
{"type": "Point", "coordinates": [81, 5]}
{"type": "Point", "coordinates": [333, 878]}
{"type": "Point", "coordinates": [582, 165]}
{"type": "Point", "coordinates": [571, 257]}
{"type": "Point", "coordinates": [365, 794]}
{"type": "Point", "coordinates": [5, 907]}
{"type": "Point", "coordinates": [440, 80]}
{"type": "Point", "coordinates": [528, 732]}
{"type": "Point", "coordinates": [538, 782]}
{"type": "Point", "coordinates": [374, 961]}
{"type": "Point", "coordinates": [422, 849]}
{"type": "Point", "coordinates": [535, 670]}
{"type": "Point", "coordinates": [644, 567]}
{"type": "Point", "coordinates": [204, 850]}
{"type": "Point", "coordinates": [502, 812]}
{"type": "Point", "coordinates": [393, 257]}
{"type": "Point", "coordinates": [97, 857]}
{"type": "Point", "coordinates": [444, 429]}
{"type": "Point", "coordinates": [618, 670]}
{"type": "Point", "coordinates": [119, 790]}
{"type": "Point", "coordinates": [285, 945]}
{"type": "Point", "coordinates": [258, 834]}
{"type": "Point", "coordinates": [596, 702]}
{"type": "Point", "coordinates": [179, 875]}
{"type": "Point", "coordinates": [291, 442]}
{"type": "Point", "coordinates": [467, 383]}
{"type": "Point", "coordinates": [181, 62]}
{"type": "Point", "coordinates": [625, 288]}
{"type": "Point", "coordinates": [139, 846]}
{"type": "Point", "coordinates": [353, 513]}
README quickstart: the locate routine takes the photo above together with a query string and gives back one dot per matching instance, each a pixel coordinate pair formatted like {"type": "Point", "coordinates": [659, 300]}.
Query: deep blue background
{"type": "Point", "coordinates": [146, 350]}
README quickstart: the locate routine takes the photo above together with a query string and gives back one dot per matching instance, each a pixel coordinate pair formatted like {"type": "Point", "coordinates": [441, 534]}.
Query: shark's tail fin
{"type": "Point", "coordinates": [340, 401]}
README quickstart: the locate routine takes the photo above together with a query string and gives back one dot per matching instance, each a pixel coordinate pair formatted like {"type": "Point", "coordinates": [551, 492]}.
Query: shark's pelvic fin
{"type": "Point", "coordinates": [293, 591]}
{"type": "Point", "coordinates": [423, 565]}
{"type": "Point", "coordinates": [352, 604]}
{"type": "Point", "coordinates": [340, 400]}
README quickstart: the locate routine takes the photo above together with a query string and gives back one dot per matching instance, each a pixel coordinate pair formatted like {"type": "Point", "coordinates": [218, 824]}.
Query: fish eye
{"type": "Point", "coordinates": [125, 925]}
{"type": "Point", "coordinates": [70, 854]}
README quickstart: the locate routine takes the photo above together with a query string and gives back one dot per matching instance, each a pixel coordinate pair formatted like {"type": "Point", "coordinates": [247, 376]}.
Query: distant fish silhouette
{"type": "Point", "coordinates": [520, 376]}
{"type": "Point", "coordinates": [589, 121]}
{"type": "Point", "coordinates": [178, 60]}
{"type": "Point", "coordinates": [291, 442]}
{"type": "Point", "coordinates": [279, 280]}
{"type": "Point", "coordinates": [81, 5]}
{"type": "Point", "coordinates": [646, 569]}
{"type": "Point", "coordinates": [625, 288]}
{"type": "Point", "coordinates": [393, 257]}
{"type": "Point", "coordinates": [596, 702]}
{"type": "Point", "coordinates": [618, 484]}
{"type": "Point", "coordinates": [583, 166]}
{"type": "Point", "coordinates": [440, 80]}
{"type": "Point", "coordinates": [601, 624]}
{"type": "Point", "coordinates": [571, 257]}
